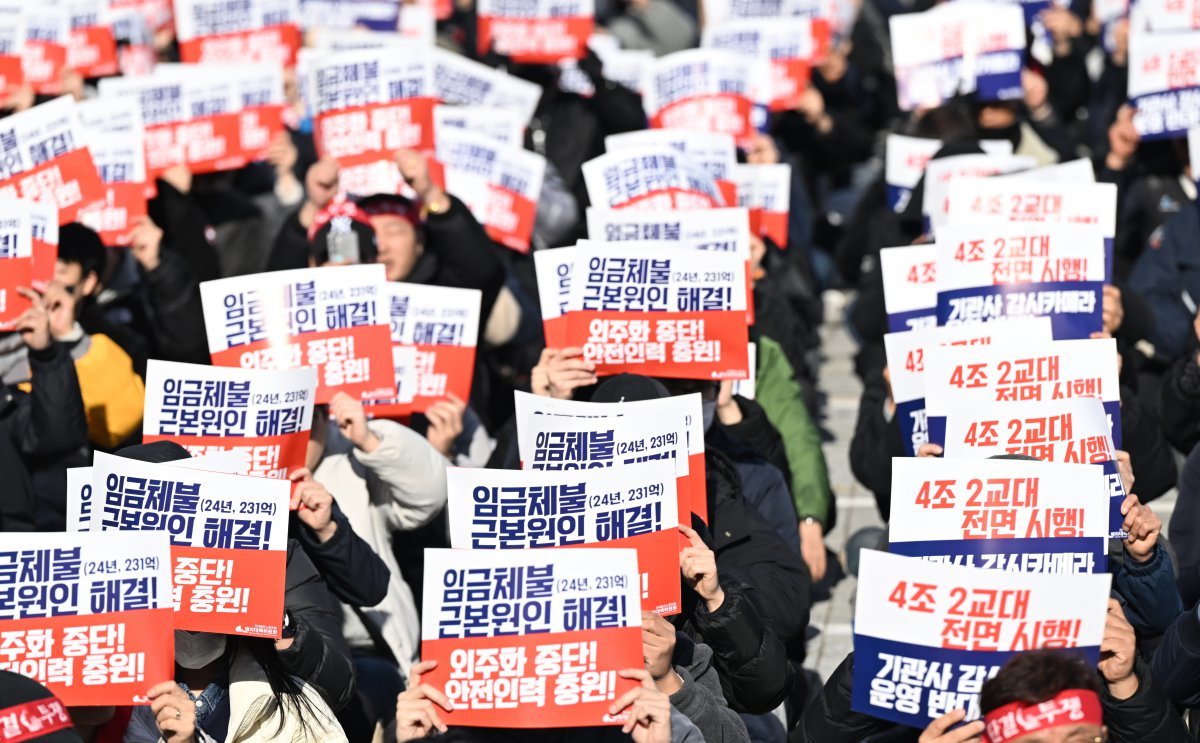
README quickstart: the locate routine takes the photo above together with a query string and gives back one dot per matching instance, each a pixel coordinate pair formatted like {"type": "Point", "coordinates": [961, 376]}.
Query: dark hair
{"type": "Point", "coordinates": [1034, 677]}
{"type": "Point", "coordinates": [82, 246]}
{"type": "Point", "coordinates": [288, 691]}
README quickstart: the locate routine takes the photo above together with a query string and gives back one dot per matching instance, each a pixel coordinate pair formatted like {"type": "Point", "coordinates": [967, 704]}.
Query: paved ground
{"type": "Point", "coordinates": [856, 506]}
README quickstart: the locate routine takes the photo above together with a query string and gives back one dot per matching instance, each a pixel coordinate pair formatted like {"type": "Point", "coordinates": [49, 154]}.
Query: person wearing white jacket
{"type": "Point", "coordinates": [386, 478]}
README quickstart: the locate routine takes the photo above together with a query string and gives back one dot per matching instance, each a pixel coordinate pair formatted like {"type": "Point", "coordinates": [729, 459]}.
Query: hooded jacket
{"type": "Point", "coordinates": [1167, 276]}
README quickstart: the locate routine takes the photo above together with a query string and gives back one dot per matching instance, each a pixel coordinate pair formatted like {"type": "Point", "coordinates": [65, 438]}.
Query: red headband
{"type": "Point", "coordinates": [1012, 721]}
{"type": "Point", "coordinates": [339, 207]}
{"type": "Point", "coordinates": [33, 720]}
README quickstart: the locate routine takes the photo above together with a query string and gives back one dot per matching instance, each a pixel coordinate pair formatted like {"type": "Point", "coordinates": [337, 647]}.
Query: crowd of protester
{"type": "Point", "coordinates": [730, 666]}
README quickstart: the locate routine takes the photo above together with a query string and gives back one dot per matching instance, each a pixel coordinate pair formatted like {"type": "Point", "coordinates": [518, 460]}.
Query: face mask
{"type": "Point", "coordinates": [1012, 133]}
{"type": "Point", "coordinates": [197, 649]}
{"type": "Point", "coordinates": [708, 412]}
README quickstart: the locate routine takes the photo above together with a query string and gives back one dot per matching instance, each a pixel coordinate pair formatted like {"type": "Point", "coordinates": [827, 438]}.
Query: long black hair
{"type": "Point", "coordinates": [287, 690]}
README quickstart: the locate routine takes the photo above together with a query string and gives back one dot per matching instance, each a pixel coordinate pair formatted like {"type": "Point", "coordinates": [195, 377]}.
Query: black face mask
{"type": "Point", "coordinates": [1011, 132]}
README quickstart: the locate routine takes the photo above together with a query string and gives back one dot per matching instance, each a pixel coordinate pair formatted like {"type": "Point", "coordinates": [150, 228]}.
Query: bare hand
{"type": "Point", "coordinates": [145, 242]}
{"type": "Point", "coordinates": [698, 565]}
{"type": "Point", "coordinates": [60, 306]}
{"type": "Point", "coordinates": [1118, 651]}
{"type": "Point", "coordinates": [812, 548]}
{"type": "Point", "coordinates": [1125, 470]}
{"type": "Point", "coordinates": [1113, 309]}
{"type": "Point", "coordinates": [728, 411]}
{"type": "Point", "coordinates": [313, 504]}
{"type": "Point", "coordinates": [414, 169]}
{"type": "Point", "coordinates": [351, 420]}
{"type": "Point", "coordinates": [658, 648]}
{"type": "Point", "coordinates": [174, 713]}
{"type": "Point", "coordinates": [282, 154]}
{"type": "Point", "coordinates": [649, 709]}
{"type": "Point", "coordinates": [560, 371]}
{"type": "Point", "coordinates": [445, 423]}
{"type": "Point", "coordinates": [1123, 139]}
{"type": "Point", "coordinates": [34, 323]}
{"type": "Point", "coordinates": [929, 450]}
{"type": "Point", "coordinates": [939, 730]}
{"type": "Point", "coordinates": [417, 707]}
{"type": "Point", "coordinates": [1143, 528]}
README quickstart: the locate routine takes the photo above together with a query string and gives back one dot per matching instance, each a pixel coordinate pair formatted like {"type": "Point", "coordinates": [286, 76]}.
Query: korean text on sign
{"type": "Point", "coordinates": [1004, 514]}
{"type": "Point", "coordinates": [708, 89]}
{"type": "Point", "coordinates": [927, 636]}
{"type": "Point", "coordinates": [657, 178]}
{"type": "Point", "coordinates": [265, 31]}
{"type": "Point", "coordinates": [630, 507]}
{"type": "Point", "coordinates": [334, 319]}
{"type": "Point", "coordinates": [909, 286]}
{"type": "Point", "coordinates": [88, 615]}
{"type": "Point", "coordinates": [117, 140]}
{"type": "Point", "coordinates": [531, 638]}
{"type": "Point", "coordinates": [264, 415]}
{"type": "Point", "coordinates": [228, 538]}
{"type": "Point", "coordinates": [535, 31]}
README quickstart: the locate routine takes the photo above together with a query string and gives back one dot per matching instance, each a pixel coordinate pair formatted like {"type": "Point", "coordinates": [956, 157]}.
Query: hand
{"type": "Point", "coordinates": [649, 709]}
{"type": "Point", "coordinates": [1123, 139]}
{"type": "Point", "coordinates": [1064, 26]}
{"type": "Point", "coordinates": [445, 423]}
{"type": "Point", "coordinates": [1037, 93]}
{"type": "Point", "coordinates": [1125, 469]}
{"type": "Point", "coordinates": [728, 411]}
{"type": "Point", "coordinates": [891, 401]}
{"type": "Point", "coordinates": [929, 450]}
{"type": "Point", "coordinates": [179, 177]}
{"type": "Point", "coordinates": [762, 150]}
{"type": "Point", "coordinates": [34, 323]}
{"type": "Point", "coordinates": [282, 154]}
{"type": "Point", "coordinates": [937, 730]}
{"type": "Point", "coordinates": [417, 707]}
{"type": "Point", "coordinates": [1120, 53]}
{"type": "Point", "coordinates": [351, 420]}
{"type": "Point", "coordinates": [698, 564]}
{"type": "Point", "coordinates": [1118, 651]}
{"type": "Point", "coordinates": [812, 107]}
{"type": "Point", "coordinates": [174, 713]}
{"type": "Point", "coordinates": [658, 648]}
{"type": "Point", "coordinates": [313, 504]}
{"type": "Point", "coordinates": [1143, 528]}
{"type": "Point", "coordinates": [560, 371]}
{"type": "Point", "coordinates": [1113, 310]}
{"type": "Point", "coordinates": [145, 242]}
{"type": "Point", "coordinates": [414, 169]}
{"type": "Point", "coordinates": [812, 548]}
{"type": "Point", "coordinates": [321, 184]}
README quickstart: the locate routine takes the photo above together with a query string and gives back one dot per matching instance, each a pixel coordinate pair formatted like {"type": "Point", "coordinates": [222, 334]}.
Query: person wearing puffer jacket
{"type": "Point", "coordinates": [386, 479]}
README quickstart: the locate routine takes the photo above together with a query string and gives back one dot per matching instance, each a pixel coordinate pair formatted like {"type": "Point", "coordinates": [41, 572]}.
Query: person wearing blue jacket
{"type": "Point", "coordinates": [1167, 277]}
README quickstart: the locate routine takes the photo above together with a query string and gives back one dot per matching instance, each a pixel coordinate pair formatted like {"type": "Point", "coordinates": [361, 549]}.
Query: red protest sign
{"type": "Point", "coordinates": [251, 32]}
{"type": "Point", "coordinates": [16, 260]}
{"type": "Point", "coordinates": [535, 31]}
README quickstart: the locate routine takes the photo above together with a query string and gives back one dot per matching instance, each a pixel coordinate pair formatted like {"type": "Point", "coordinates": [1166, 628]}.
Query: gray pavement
{"type": "Point", "coordinates": [856, 505]}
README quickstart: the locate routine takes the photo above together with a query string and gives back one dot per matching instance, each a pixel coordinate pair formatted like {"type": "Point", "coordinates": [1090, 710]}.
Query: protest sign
{"type": "Point", "coordinates": [368, 105]}
{"type": "Point", "coordinates": [960, 47]}
{"type": "Point", "coordinates": [45, 242]}
{"type": "Point", "coordinates": [1168, 15]}
{"type": "Point", "coordinates": [1074, 307]}
{"type": "Point", "coordinates": [500, 184]}
{"type": "Point", "coordinates": [789, 46]}
{"type": "Point", "coordinates": [626, 67]}
{"type": "Point", "coordinates": [1164, 82]}
{"type": "Point", "coordinates": [943, 175]}
{"type": "Point", "coordinates": [565, 443]}
{"type": "Point", "coordinates": [666, 311]}
{"type": "Point", "coordinates": [1072, 431]}
{"type": "Point", "coordinates": [463, 81]}
{"type": "Point", "coordinates": [117, 141]}
{"type": "Point", "coordinates": [87, 615]}
{"type": "Point", "coordinates": [683, 411]}
{"type": "Point", "coordinates": [44, 157]}
{"type": "Point", "coordinates": [228, 538]}
{"type": "Point", "coordinates": [91, 44]}
{"type": "Point", "coordinates": [376, 15]}
{"type": "Point", "coordinates": [1015, 253]}
{"type": "Point", "coordinates": [534, 31]}
{"type": "Point", "coordinates": [709, 90]}
{"type": "Point", "coordinates": [159, 14]}
{"type": "Point", "coordinates": [209, 118]}
{"type": "Point", "coordinates": [531, 638]}
{"type": "Point", "coordinates": [553, 268]}
{"type": "Point", "coordinates": [906, 158]}
{"type": "Point", "coordinates": [16, 260]}
{"type": "Point", "coordinates": [909, 286]}
{"type": "Point", "coordinates": [253, 31]}
{"type": "Point", "coordinates": [906, 354]}
{"type": "Point", "coordinates": [650, 177]}
{"type": "Point", "coordinates": [630, 507]}
{"type": "Point", "coordinates": [716, 153]}
{"type": "Point", "coordinates": [265, 415]}
{"type": "Point", "coordinates": [1035, 372]}
{"type": "Point", "coordinates": [745, 387]}
{"type": "Point", "coordinates": [434, 331]}
{"type": "Point", "coordinates": [47, 31]}
{"type": "Point", "coordinates": [12, 42]}
{"type": "Point", "coordinates": [766, 190]}
{"type": "Point", "coordinates": [927, 636]}
{"type": "Point", "coordinates": [1012, 515]}
{"type": "Point", "coordinates": [1079, 170]}
{"type": "Point", "coordinates": [333, 318]}
{"type": "Point", "coordinates": [502, 125]}
{"type": "Point", "coordinates": [135, 41]}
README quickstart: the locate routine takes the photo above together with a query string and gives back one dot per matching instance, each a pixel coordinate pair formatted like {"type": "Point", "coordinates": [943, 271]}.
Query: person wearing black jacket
{"type": "Point", "coordinates": [41, 427]}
